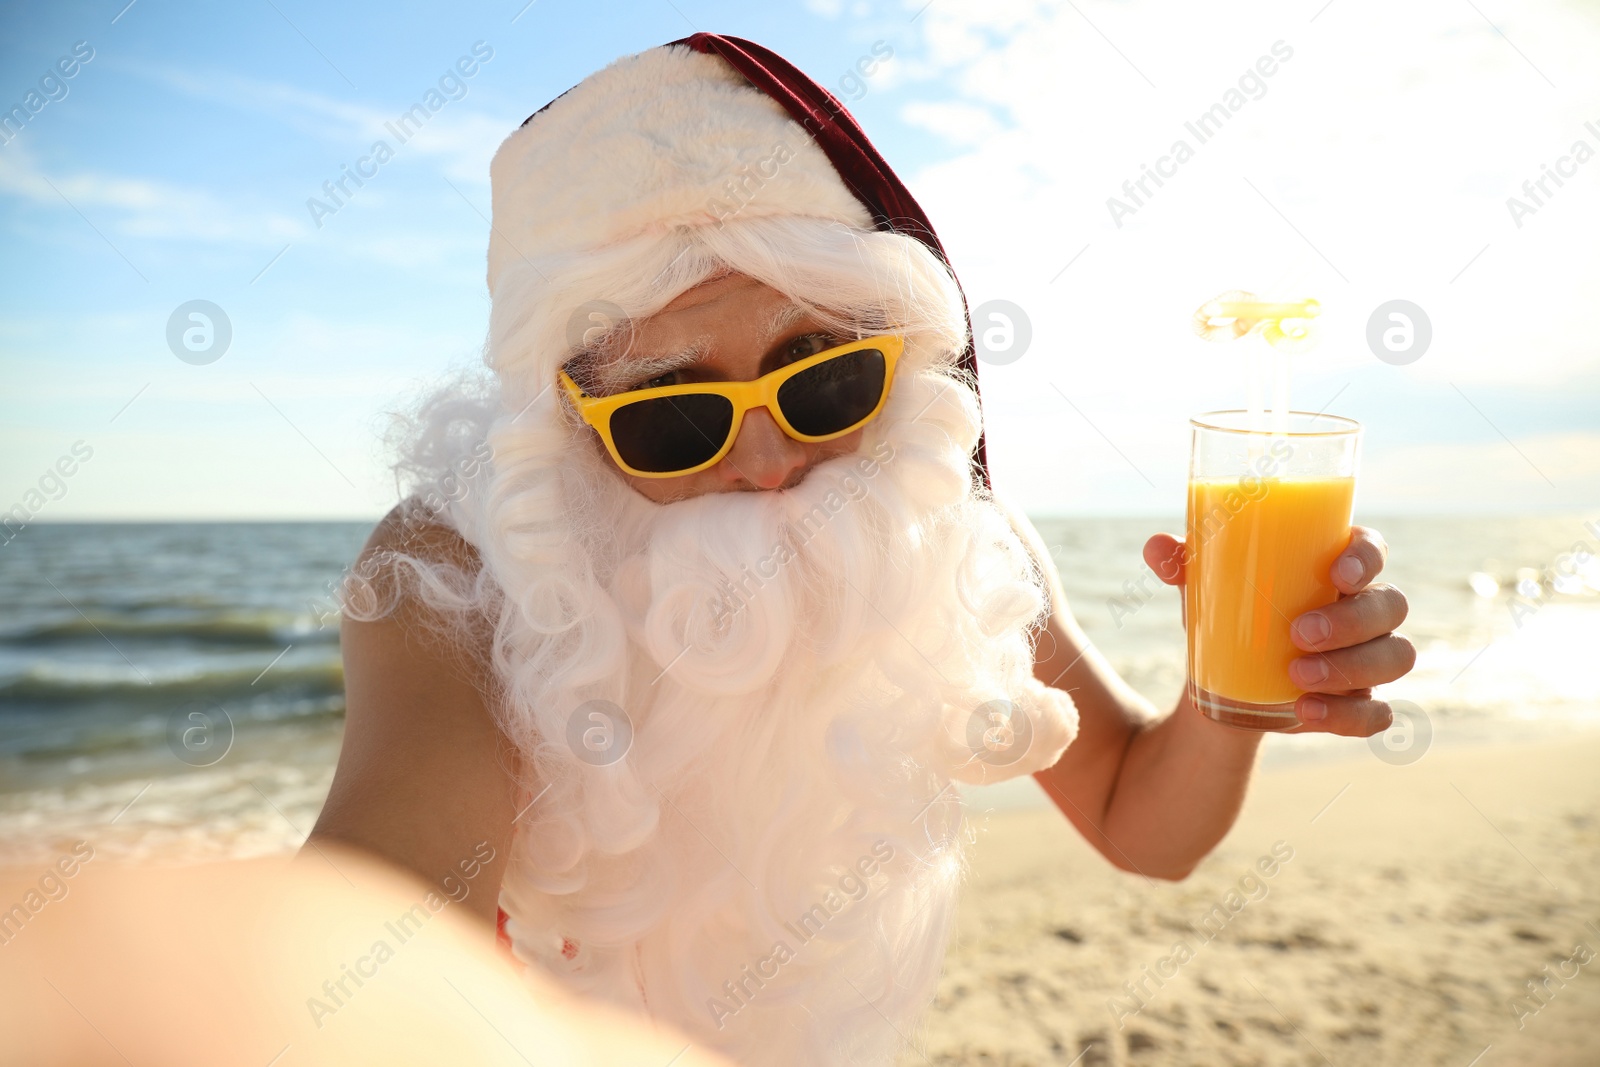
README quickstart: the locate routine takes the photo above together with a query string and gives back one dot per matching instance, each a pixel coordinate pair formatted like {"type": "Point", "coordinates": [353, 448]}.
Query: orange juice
{"type": "Point", "coordinates": [1259, 555]}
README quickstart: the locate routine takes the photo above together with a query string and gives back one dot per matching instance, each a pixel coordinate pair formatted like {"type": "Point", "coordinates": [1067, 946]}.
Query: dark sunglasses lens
{"type": "Point", "coordinates": [835, 394]}
{"type": "Point", "coordinates": [671, 433]}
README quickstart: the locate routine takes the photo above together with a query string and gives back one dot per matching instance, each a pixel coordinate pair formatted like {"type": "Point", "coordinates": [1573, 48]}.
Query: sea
{"type": "Point", "coordinates": [175, 689]}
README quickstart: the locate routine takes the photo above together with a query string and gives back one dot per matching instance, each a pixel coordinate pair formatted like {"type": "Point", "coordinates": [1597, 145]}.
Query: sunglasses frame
{"type": "Point", "coordinates": [762, 392]}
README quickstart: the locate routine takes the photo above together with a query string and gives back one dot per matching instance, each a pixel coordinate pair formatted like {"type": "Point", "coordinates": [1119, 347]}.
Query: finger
{"type": "Point", "coordinates": [1356, 619]}
{"type": "Point", "coordinates": [1383, 659]}
{"type": "Point", "coordinates": [1350, 715]}
{"type": "Point", "coordinates": [1166, 555]}
{"type": "Point", "coordinates": [1361, 560]}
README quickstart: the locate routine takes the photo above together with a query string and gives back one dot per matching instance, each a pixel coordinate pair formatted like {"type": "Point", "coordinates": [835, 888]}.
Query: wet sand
{"type": "Point", "coordinates": [1417, 904]}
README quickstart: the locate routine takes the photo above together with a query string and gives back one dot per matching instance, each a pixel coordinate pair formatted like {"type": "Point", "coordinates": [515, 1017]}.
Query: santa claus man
{"type": "Point", "coordinates": [703, 601]}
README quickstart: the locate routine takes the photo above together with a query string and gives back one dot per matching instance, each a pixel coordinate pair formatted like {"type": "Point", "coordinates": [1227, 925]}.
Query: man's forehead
{"type": "Point", "coordinates": [696, 338]}
{"type": "Point", "coordinates": [725, 305]}
{"type": "Point", "coordinates": [658, 347]}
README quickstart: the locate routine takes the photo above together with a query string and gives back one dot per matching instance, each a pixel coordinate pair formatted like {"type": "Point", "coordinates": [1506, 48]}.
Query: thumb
{"type": "Point", "coordinates": [1166, 555]}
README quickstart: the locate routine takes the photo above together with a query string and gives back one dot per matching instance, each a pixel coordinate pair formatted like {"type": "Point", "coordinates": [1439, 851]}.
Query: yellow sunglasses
{"type": "Point", "coordinates": [675, 430]}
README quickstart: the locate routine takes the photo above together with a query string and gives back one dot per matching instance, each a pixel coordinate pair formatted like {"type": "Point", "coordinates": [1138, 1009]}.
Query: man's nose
{"type": "Point", "coordinates": [764, 455]}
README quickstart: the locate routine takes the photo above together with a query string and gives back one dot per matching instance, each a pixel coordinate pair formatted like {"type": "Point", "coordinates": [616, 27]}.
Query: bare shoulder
{"type": "Point", "coordinates": [409, 527]}
{"type": "Point", "coordinates": [391, 633]}
{"type": "Point", "coordinates": [381, 587]}
{"type": "Point", "coordinates": [411, 530]}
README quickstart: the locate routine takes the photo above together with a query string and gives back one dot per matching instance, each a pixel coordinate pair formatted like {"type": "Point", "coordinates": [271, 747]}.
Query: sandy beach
{"type": "Point", "coordinates": [1415, 904]}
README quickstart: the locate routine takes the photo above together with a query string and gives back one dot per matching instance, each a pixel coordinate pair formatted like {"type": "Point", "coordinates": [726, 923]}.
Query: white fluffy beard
{"type": "Point", "coordinates": [772, 867]}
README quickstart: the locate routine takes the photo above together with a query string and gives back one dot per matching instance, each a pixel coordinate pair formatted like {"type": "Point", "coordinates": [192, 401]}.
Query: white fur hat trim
{"type": "Point", "coordinates": [666, 138]}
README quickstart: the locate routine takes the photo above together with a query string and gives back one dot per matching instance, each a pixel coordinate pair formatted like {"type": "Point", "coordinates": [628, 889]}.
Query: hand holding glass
{"type": "Point", "coordinates": [1268, 513]}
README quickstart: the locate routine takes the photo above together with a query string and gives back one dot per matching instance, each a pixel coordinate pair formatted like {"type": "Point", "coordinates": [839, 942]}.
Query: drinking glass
{"type": "Point", "coordinates": [1269, 511]}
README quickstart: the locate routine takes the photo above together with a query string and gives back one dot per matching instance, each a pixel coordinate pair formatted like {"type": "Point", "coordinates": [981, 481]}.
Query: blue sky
{"type": "Point", "coordinates": [1375, 164]}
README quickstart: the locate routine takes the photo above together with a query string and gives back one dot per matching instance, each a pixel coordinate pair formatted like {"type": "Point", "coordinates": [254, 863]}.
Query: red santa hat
{"type": "Point", "coordinates": [650, 143]}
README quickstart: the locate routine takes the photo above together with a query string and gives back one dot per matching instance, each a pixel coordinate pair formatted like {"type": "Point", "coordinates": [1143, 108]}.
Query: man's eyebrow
{"type": "Point", "coordinates": [614, 373]}
{"type": "Point", "coordinates": [783, 317]}
{"type": "Point", "coordinates": [603, 373]}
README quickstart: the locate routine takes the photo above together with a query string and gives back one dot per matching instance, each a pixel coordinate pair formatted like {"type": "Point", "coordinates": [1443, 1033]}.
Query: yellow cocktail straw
{"type": "Point", "coordinates": [1231, 315]}
{"type": "Point", "coordinates": [1251, 309]}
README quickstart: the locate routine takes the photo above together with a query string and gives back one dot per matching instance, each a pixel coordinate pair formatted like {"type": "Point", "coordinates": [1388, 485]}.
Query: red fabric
{"type": "Point", "coordinates": [500, 934]}
{"type": "Point", "coordinates": [569, 947]}
{"type": "Point", "coordinates": [841, 138]}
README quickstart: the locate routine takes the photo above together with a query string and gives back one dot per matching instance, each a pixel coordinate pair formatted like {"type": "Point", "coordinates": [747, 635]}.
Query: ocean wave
{"type": "Point", "coordinates": [55, 688]}
{"type": "Point", "coordinates": [102, 736]}
{"type": "Point", "coordinates": [264, 630]}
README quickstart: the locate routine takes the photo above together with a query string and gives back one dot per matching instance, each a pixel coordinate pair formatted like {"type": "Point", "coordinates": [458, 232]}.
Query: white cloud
{"type": "Point", "coordinates": [402, 227]}
{"type": "Point", "coordinates": [959, 122]}
{"type": "Point", "coordinates": [463, 136]}
{"type": "Point", "coordinates": [148, 208]}
{"type": "Point", "coordinates": [324, 117]}
{"type": "Point", "coordinates": [457, 141]}
{"type": "Point", "coordinates": [1374, 165]}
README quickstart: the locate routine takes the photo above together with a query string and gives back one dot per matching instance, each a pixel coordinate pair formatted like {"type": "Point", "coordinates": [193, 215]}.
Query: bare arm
{"type": "Point", "coordinates": [426, 780]}
{"type": "Point", "coordinates": [1154, 794]}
